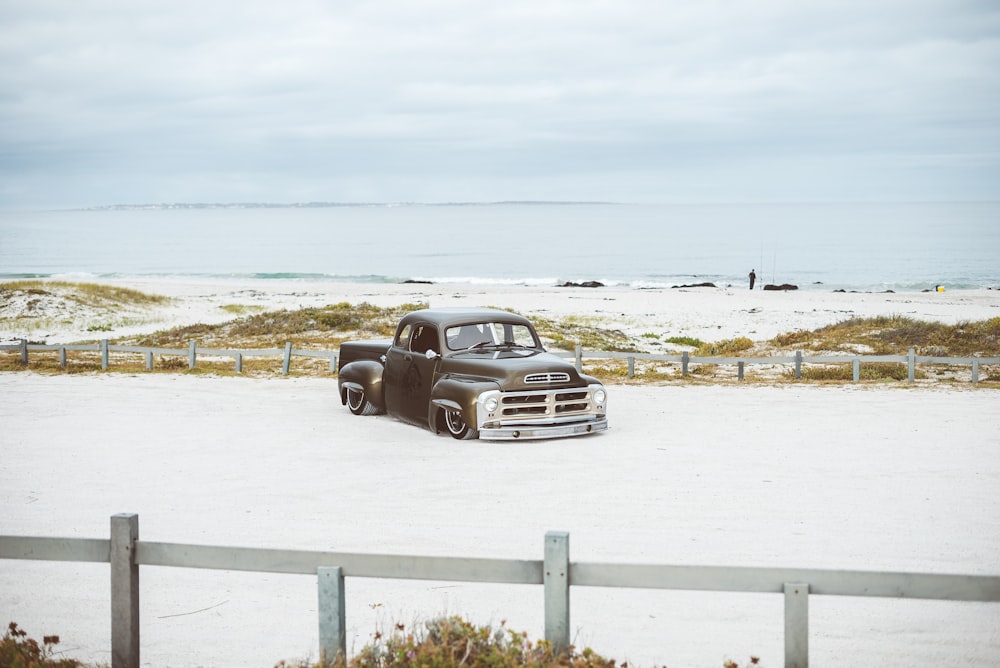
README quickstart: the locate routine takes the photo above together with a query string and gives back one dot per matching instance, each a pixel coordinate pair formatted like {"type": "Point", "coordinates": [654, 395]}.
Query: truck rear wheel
{"type": "Point", "coordinates": [359, 404]}
{"type": "Point", "coordinates": [457, 426]}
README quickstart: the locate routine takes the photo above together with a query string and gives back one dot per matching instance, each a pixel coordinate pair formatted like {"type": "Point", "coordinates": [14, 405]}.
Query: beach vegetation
{"type": "Point", "coordinates": [321, 327]}
{"type": "Point", "coordinates": [688, 341]}
{"type": "Point", "coordinates": [242, 309]}
{"type": "Point", "coordinates": [28, 307]}
{"type": "Point", "coordinates": [18, 649]}
{"type": "Point", "coordinates": [94, 294]}
{"type": "Point", "coordinates": [896, 334]}
{"type": "Point", "coordinates": [441, 642]}
{"type": "Point", "coordinates": [873, 372]}
{"type": "Point", "coordinates": [726, 347]}
{"type": "Point", "coordinates": [565, 333]}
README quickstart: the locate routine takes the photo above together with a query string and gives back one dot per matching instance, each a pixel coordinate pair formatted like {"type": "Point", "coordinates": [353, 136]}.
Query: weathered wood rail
{"type": "Point", "coordinates": [911, 360]}
{"type": "Point", "coordinates": [555, 572]}
{"type": "Point", "coordinates": [685, 360]}
{"type": "Point", "coordinates": [192, 352]}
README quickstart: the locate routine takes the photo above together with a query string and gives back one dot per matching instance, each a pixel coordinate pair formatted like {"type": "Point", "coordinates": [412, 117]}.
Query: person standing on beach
{"type": "Point", "coordinates": [753, 278]}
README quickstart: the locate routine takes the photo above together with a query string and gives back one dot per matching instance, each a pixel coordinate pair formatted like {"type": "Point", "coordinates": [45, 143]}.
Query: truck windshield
{"type": "Point", "coordinates": [489, 334]}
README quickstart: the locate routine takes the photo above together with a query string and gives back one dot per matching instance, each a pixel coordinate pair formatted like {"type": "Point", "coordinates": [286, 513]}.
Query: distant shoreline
{"type": "Point", "coordinates": [679, 282]}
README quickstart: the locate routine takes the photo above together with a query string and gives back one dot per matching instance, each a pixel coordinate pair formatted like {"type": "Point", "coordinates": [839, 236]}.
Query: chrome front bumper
{"type": "Point", "coordinates": [527, 432]}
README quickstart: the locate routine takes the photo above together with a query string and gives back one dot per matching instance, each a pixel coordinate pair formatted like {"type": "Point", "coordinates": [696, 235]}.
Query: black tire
{"type": "Point", "coordinates": [456, 426]}
{"type": "Point", "coordinates": [359, 404]}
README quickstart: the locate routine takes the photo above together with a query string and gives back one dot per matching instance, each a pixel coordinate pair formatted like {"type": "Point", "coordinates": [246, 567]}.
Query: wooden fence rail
{"type": "Point", "coordinates": [555, 572]}
{"type": "Point", "coordinates": [911, 359]}
{"type": "Point", "coordinates": [192, 352]}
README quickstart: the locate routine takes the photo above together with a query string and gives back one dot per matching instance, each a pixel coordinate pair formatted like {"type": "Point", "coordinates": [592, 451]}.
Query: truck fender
{"type": "Point", "coordinates": [364, 373]}
{"type": "Point", "coordinates": [457, 394]}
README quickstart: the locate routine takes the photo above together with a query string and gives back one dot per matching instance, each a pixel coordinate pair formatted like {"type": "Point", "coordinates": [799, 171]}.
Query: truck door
{"type": "Point", "coordinates": [409, 375]}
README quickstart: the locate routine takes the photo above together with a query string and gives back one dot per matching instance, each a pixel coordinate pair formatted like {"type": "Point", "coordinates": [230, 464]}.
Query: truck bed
{"type": "Point", "coordinates": [352, 351]}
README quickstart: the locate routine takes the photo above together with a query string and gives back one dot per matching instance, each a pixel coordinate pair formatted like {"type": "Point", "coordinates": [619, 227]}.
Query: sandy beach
{"type": "Point", "coordinates": [854, 477]}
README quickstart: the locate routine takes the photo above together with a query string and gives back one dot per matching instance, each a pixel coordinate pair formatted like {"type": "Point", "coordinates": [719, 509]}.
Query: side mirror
{"type": "Point", "coordinates": [431, 354]}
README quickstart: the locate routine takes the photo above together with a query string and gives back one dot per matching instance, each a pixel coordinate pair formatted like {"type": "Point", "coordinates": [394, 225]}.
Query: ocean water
{"type": "Point", "coordinates": [866, 247]}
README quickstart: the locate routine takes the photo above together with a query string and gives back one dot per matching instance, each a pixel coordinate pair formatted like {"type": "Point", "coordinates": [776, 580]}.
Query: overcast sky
{"type": "Point", "coordinates": [126, 101]}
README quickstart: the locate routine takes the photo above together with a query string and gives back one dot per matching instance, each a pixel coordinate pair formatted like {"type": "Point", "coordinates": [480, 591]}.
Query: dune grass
{"type": "Point", "coordinates": [92, 294]}
{"type": "Point", "coordinates": [895, 335]}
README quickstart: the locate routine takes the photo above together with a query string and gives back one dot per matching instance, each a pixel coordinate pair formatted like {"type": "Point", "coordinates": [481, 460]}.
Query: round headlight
{"type": "Point", "coordinates": [600, 396]}
{"type": "Point", "coordinates": [491, 404]}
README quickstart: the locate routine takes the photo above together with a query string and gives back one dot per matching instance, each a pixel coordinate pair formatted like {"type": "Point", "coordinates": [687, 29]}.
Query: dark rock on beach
{"type": "Point", "coordinates": [783, 286]}
{"type": "Point", "coordinates": [695, 285]}
{"type": "Point", "coordinates": [585, 284]}
{"type": "Point", "coordinates": [411, 280]}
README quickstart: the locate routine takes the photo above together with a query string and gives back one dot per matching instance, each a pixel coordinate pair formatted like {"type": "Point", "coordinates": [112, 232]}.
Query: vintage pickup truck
{"type": "Point", "coordinates": [475, 373]}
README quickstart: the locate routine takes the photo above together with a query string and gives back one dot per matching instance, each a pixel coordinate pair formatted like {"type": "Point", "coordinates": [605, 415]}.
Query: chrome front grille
{"type": "Point", "coordinates": [536, 405]}
{"type": "Point", "coordinates": [555, 377]}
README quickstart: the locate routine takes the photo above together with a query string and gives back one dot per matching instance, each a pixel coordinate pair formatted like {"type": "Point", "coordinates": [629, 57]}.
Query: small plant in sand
{"type": "Point", "coordinates": [727, 347]}
{"type": "Point", "coordinates": [242, 309]}
{"type": "Point", "coordinates": [686, 341]}
{"type": "Point", "coordinates": [18, 650]}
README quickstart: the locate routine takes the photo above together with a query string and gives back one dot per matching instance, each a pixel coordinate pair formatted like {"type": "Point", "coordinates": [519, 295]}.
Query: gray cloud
{"type": "Point", "coordinates": [118, 101]}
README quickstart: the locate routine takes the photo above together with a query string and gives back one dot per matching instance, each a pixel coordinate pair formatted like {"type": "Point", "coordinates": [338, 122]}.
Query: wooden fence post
{"type": "Point", "coordinates": [578, 353]}
{"type": "Point", "coordinates": [685, 358]}
{"type": "Point", "coordinates": [24, 352]}
{"type": "Point", "coordinates": [796, 625]}
{"type": "Point", "coordinates": [857, 369]}
{"type": "Point", "coordinates": [332, 615]}
{"type": "Point", "coordinates": [149, 360]}
{"type": "Point", "coordinates": [631, 367]}
{"type": "Point", "coordinates": [239, 362]}
{"type": "Point", "coordinates": [911, 365]}
{"type": "Point", "coordinates": [333, 362]}
{"type": "Point", "coordinates": [104, 354]}
{"type": "Point", "coordinates": [288, 359]}
{"type": "Point", "coordinates": [739, 370]}
{"type": "Point", "coordinates": [975, 370]}
{"type": "Point", "coordinates": [556, 582]}
{"type": "Point", "coordinates": [192, 354]}
{"type": "Point", "coordinates": [62, 357]}
{"type": "Point", "coordinates": [798, 364]}
{"type": "Point", "coordinates": [124, 592]}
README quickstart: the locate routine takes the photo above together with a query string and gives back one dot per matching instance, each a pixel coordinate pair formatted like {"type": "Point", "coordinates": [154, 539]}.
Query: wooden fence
{"type": "Point", "coordinates": [911, 359]}
{"type": "Point", "coordinates": [192, 352]}
{"type": "Point", "coordinates": [555, 572]}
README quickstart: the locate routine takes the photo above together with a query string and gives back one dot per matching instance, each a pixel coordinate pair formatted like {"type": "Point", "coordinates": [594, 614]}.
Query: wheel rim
{"type": "Point", "coordinates": [456, 424]}
{"type": "Point", "coordinates": [355, 399]}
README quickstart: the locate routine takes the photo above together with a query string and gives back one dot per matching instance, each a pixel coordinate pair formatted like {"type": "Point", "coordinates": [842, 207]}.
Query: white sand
{"type": "Point", "coordinates": [900, 479]}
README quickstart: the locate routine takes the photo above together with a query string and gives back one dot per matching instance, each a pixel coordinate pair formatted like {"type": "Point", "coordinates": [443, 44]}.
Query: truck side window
{"type": "Point", "coordinates": [402, 337]}
{"type": "Point", "coordinates": [424, 338]}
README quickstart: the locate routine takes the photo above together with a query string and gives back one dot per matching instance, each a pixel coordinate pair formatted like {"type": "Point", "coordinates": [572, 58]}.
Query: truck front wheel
{"type": "Point", "coordinates": [359, 404]}
{"type": "Point", "coordinates": [457, 426]}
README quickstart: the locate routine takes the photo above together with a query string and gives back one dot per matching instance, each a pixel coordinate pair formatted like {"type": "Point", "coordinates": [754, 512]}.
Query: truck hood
{"type": "Point", "coordinates": [512, 366]}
